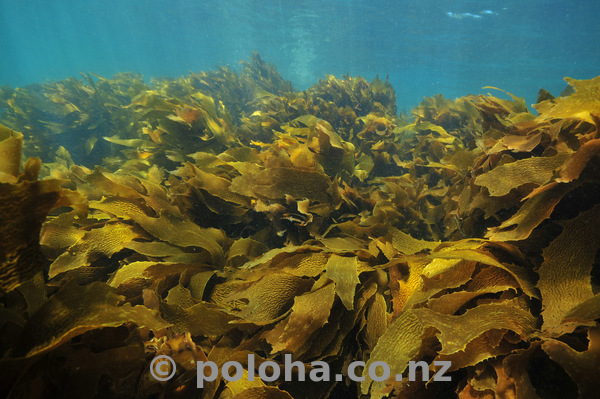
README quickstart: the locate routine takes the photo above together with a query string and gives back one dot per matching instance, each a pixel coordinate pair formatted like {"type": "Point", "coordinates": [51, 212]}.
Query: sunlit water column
{"type": "Point", "coordinates": [302, 48]}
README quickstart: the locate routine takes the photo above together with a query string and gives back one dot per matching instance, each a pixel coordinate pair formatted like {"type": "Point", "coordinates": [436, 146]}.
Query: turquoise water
{"type": "Point", "coordinates": [426, 47]}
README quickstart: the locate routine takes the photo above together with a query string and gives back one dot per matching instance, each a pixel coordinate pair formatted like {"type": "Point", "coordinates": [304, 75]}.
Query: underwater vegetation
{"type": "Point", "coordinates": [223, 213]}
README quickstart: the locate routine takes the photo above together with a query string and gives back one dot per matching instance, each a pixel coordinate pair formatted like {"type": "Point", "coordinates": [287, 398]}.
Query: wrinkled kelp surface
{"type": "Point", "coordinates": [223, 213]}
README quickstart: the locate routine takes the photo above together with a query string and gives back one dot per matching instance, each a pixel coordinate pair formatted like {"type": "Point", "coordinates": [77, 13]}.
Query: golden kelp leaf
{"type": "Point", "coordinates": [517, 143]}
{"type": "Point", "coordinates": [243, 385]}
{"type": "Point", "coordinates": [275, 183]}
{"type": "Point", "coordinates": [403, 164]}
{"type": "Point", "coordinates": [482, 200]}
{"type": "Point", "coordinates": [34, 292]}
{"type": "Point", "coordinates": [156, 249]}
{"type": "Point", "coordinates": [90, 143]}
{"type": "Point", "coordinates": [440, 275]}
{"type": "Point", "coordinates": [434, 165]}
{"type": "Point", "coordinates": [215, 185]}
{"type": "Point", "coordinates": [457, 331]}
{"type": "Point", "coordinates": [303, 158]}
{"type": "Point", "coordinates": [182, 348]}
{"type": "Point", "coordinates": [482, 256]}
{"type": "Point", "coordinates": [186, 115]}
{"type": "Point", "coordinates": [518, 104]}
{"type": "Point", "coordinates": [488, 345]}
{"type": "Point", "coordinates": [408, 245]}
{"type": "Point", "coordinates": [330, 339]}
{"type": "Point", "coordinates": [364, 165]}
{"type": "Point", "coordinates": [263, 393]}
{"type": "Point", "coordinates": [396, 347]}
{"type": "Point", "coordinates": [376, 320]}
{"type": "Point", "coordinates": [166, 227]}
{"type": "Point", "coordinates": [23, 209]}
{"type": "Point", "coordinates": [180, 296]}
{"type": "Point", "coordinates": [452, 302]}
{"type": "Point", "coordinates": [274, 254]}
{"type": "Point", "coordinates": [125, 209]}
{"type": "Point", "coordinates": [156, 175]}
{"type": "Point", "coordinates": [538, 170]}
{"type": "Point", "coordinates": [185, 234]}
{"type": "Point", "coordinates": [11, 144]}
{"type": "Point", "coordinates": [308, 264]}
{"type": "Point", "coordinates": [269, 297]}
{"type": "Point", "coordinates": [155, 134]}
{"type": "Point", "coordinates": [135, 143]}
{"type": "Point", "coordinates": [243, 250]}
{"type": "Point", "coordinates": [108, 182]}
{"type": "Point", "coordinates": [345, 245]}
{"type": "Point", "coordinates": [328, 137]}
{"type": "Point", "coordinates": [582, 367]}
{"type": "Point", "coordinates": [573, 167]}
{"type": "Point", "coordinates": [405, 279]}
{"type": "Point", "coordinates": [584, 313]}
{"type": "Point", "coordinates": [424, 126]}
{"type": "Point", "coordinates": [461, 159]}
{"type": "Point", "coordinates": [219, 294]}
{"type": "Point", "coordinates": [103, 241]}
{"type": "Point", "coordinates": [207, 102]}
{"type": "Point", "coordinates": [74, 310]}
{"type": "Point", "coordinates": [224, 351]}
{"type": "Point", "coordinates": [151, 270]}
{"type": "Point", "coordinates": [200, 319]}
{"type": "Point", "coordinates": [333, 154]}
{"type": "Point", "coordinates": [59, 233]}
{"type": "Point", "coordinates": [488, 280]}
{"type": "Point", "coordinates": [579, 105]}
{"type": "Point", "coordinates": [529, 216]}
{"type": "Point", "coordinates": [500, 382]}
{"type": "Point", "coordinates": [199, 282]}
{"type": "Point", "coordinates": [517, 366]}
{"type": "Point", "coordinates": [343, 270]}
{"type": "Point", "coordinates": [309, 313]}
{"type": "Point", "coordinates": [144, 192]}
{"type": "Point", "coordinates": [567, 267]}
{"type": "Point", "coordinates": [476, 389]}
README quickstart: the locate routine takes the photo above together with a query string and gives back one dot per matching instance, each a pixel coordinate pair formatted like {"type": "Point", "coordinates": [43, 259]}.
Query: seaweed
{"type": "Point", "coordinates": [223, 214]}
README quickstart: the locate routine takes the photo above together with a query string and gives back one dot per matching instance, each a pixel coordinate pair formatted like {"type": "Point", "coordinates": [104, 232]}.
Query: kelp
{"type": "Point", "coordinates": [567, 267]}
{"type": "Point", "coordinates": [224, 214]}
{"type": "Point", "coordinates": [580, 105]}
{"type": "Point", "coordinates": [25, 202]}
{"type": "Point", "coordinates": [10, 153]}
{"type": "Point", "coordinates": [78, 111]}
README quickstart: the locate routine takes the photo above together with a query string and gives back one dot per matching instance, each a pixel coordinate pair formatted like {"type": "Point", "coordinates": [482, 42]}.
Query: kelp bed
{"type": "Point", "coordinates": [230, 214]}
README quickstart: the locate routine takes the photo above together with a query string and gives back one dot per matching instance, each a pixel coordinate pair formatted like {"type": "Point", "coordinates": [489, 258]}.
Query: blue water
{"type": "Point", "coordinates": [426, 47]}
